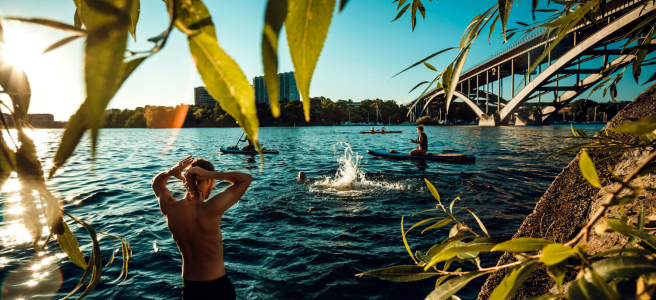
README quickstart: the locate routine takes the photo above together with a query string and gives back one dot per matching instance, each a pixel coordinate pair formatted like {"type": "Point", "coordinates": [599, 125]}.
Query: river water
{"type": "Point", "coordinates": [284, 239]}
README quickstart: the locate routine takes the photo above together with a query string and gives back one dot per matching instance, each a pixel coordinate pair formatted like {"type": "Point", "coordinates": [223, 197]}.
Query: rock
{"type": "Point", "coordinates": [569, 202]}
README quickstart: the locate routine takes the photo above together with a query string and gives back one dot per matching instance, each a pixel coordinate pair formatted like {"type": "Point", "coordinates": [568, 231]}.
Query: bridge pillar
{"type": "Point", "coordinates": [524, 119]}
{"type": "Point", "coordinates": [486, 120]}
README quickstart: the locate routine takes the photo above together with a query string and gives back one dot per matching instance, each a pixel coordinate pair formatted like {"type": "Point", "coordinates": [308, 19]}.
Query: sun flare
{"type": "Point", "coordinates": [21, 49]}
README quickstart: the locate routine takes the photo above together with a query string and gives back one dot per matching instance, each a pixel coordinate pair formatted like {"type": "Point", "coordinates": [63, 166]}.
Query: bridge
{"type": "Point", "coordinates": [492, 88]}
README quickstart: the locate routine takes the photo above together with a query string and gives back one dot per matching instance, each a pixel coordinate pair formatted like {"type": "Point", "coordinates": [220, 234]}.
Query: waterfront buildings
{"type": "Point", "coordinates": [36, 120]}
{"type": "Point", "coordinates": [201, 96]}
{"type": "Point", "coordinates": [287, 88]}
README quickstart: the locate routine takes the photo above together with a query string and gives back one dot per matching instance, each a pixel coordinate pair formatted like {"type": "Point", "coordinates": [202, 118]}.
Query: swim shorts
{"type": "Point", "coordinates": [217, 289]}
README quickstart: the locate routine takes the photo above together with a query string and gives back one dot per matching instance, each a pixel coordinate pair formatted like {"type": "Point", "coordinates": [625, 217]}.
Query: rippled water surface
{"type": "Point", "coordinates": [284, 239]}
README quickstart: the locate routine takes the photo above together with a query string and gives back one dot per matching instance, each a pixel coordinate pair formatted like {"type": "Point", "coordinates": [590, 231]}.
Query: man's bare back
{"type": "Point", "coordinates": [194, 222]}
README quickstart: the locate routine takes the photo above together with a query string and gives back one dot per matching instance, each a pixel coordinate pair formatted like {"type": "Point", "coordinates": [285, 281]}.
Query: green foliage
{"type": "Point", "coordinates": [400, 273]}
{"type": "Point", "coordinates": [588, 170]}
{"type": "Point", "coordinates": [512, 282]}
{"type": "Point", "coordinates": [68, 243]}
{"type": "Point", "coordinates": [307, 28]}
{"type": "Point", "coordinates": [521, 245]}
{"type": "Point", "coordinates": [275, 15]}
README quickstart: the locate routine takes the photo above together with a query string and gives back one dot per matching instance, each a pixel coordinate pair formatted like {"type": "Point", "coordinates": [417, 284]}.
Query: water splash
{"type": "Point", "coordinates": [350, 179]}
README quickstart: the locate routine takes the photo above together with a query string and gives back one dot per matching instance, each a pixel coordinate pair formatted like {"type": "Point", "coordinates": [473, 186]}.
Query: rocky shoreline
{"type": "Point", "coordinates": [570, 201]}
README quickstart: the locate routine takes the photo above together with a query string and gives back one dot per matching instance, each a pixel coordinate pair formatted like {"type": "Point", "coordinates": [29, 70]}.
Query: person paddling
{"type": "Point", "coordinates": [250, 146]}
{"type": "Point", "coordinates": [422, 141]}
{"type": "Point", "coordinates": [195, 225]}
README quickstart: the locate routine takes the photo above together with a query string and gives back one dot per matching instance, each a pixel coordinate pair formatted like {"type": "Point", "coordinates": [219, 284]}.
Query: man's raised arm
{"type": "Point", "coordinates": [159, 182]}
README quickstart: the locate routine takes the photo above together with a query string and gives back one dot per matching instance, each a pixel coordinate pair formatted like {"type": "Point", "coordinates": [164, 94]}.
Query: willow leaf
{"type": "Point", "coordinates": [107, 26]}
{"type": "Point", "coordinates": [405, 242]}
{"type": "Point", "coordinates": [437, 225]}
{"type": "Point", "coordinates": [421, 222]}
{"type": "Point", "coordinates": [274, 17]}
{"type": "Point", "coordinates": [77, 20]}
{"type": "Point", "coordinates": [504, 11]}
{"type": "Point", "coordinates": [522, 245]}
{"type": "Point", "coordinates": [7, 160]}
{"type": "Point", "coordinates": [60, 43]}
{"type": "Point", "coordinates": [307, 27]}
{"type": "Point", "coordinates": [342, 4]}
{"type": "Point", "coordinates": [494, 23]}
{"type": "Point", "coordinates": [588, 170]}
{"type": "Point", "coordinates": [51, 24]}
{"type": "Point", "coordinates": [447, 289]}
{"type": "Point", "coordinates": [418, 85]}
{"type": "Point", "coordinates": [425, 59]}
{"type": "Point", "coordinates": [642, 126]}
{"type": "Point", "coordinates": [512, 282]}
{"type": "Point", "coordinates": [404, 273]}
{"type": "Point", "coordinates": [135, 9]}
{"type": "Point", "coordinates": [401, 12]}
{"type": "Point", "coordinates": [69, 244]}
{"type": "Point", "coordinates": [433, 191]}
{"type": "Point", "coordinates": [555, 253]}
{"type": "Point", "coordinates": [456, 76]}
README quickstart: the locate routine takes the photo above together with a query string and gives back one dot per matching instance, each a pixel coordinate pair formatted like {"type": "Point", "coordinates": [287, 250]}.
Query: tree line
{"type": "Point", "coordinates": [324, 112]}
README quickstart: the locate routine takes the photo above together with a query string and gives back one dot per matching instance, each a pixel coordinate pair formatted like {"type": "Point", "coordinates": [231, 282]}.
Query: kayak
{"type": "Point", "coordinates": [428, 156]}
{"type": "Point", "coordinates": [226, 150]}
{"type": "Point", "coordinates": [381, 132]}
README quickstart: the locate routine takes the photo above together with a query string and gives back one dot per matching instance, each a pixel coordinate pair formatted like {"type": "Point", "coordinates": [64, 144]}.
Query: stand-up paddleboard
{"type": "Point", "coordinates": [226, 150]}
{"type": "Point", "coordinates": [381, 132]}
{"type": "Point", "coordinates": [428, 156]}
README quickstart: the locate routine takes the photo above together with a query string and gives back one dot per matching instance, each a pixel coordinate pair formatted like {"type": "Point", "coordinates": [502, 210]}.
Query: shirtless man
{"type": "Point", "coordinates": [195, 225]}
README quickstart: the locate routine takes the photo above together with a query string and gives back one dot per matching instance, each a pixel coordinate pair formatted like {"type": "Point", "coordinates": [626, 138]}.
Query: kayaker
{"type": "Point", "coordinates": [382, 130]}
{"type": "Point", "coordinates": [422, 141]}
{"type": "Point", "coordinates": [195, 224]}
{"type": "Point", "coordinates": [250, 146]}
{"type": "Point", "coordinates": [372, 130]}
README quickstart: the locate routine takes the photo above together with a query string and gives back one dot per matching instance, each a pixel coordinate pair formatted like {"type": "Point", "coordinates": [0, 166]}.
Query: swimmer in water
{"type": "Point", "coordinates": [303, 178]}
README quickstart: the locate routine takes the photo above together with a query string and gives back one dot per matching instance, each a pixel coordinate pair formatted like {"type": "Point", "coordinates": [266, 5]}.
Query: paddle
{"type": "Point", "coordinates": [239, 140]}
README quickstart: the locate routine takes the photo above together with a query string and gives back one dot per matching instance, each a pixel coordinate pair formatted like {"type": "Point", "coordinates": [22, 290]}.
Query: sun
{"type": "Point", "coordinates": [21, 50]}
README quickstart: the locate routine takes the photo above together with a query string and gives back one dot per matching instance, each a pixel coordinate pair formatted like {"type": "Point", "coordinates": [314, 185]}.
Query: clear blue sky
{"type": "Point", "coordinates": [362, 52]}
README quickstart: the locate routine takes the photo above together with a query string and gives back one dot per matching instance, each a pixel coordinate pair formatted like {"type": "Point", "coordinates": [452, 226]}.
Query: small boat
{"type": "Point", "coordinates": [429, 156]}
{"type": "Point", "coordinates": [228, 151]}
{"type": "Point", "coordinates": [381, 132]}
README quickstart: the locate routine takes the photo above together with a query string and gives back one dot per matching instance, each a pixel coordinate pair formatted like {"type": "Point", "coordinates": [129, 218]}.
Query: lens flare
{"type": "Point", "coordinates": [178, 120]}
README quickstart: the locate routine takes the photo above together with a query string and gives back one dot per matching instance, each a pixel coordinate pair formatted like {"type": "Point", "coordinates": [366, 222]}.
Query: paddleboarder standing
{"type": "Point", "coordinates": [422, 142]}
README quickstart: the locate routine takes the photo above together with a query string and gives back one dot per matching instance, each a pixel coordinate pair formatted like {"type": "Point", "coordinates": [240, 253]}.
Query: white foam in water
{"type": "Point", "coordinates": [350, 179]}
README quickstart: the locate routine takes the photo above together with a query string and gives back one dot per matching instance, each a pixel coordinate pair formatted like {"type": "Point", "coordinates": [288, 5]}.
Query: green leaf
{"type": "Point", "coordinates": [627, 250]}
{"type": "Point", "coordinates": [418, 85]}
{"type": "Point", "coordinates": [629, 230]}
{"type": "Point", "coordinates": [623, 266]}
{"type": "Point", "coordinates": [422, 257]}
{"type": "Point", "coordinates": [429, 66]}
{"type": "Point", "coordinates": [588, 170]}
{"type": "Point", "coordinates": [7, 159]}
{"type": "Point", "coordinates": [401, 12]}
{"type": "Point", "coordinates": [504, 11]}
{"type": "Point", "coordinates": [223, 78]}
{"type": "Point", "coordinates": [460, 63]}
{"type": "Point", "coordinates": [522, 245]}
{"type": "Point", "coordinates": [107, 26]}
{"type": "Point", "coordinates": [643, 126]}
{"type": "Point", "coordinates": [425, 59]}
{"type": "Point", "coordinates": [437, 225]}
{"type": "Point", "coordinates": [546, 297]}
{"type": "Point", "coordinates": [480, 223]}
{"type": "Point", "coordinates": [69, 244]}
{"type": "Point", "coordinates": [555, 253]}
{"type": "Point", "coordinates": [135, 9]}
{"type": "Point", "coordinates": [94, 268]}
{"type": "Point", "coordinates": [404, 273]}
{"type": "Point", "coordinates": [77, 20]}
{"type": "Point", "coordinates": [620, 200]}
{"type": "Point", "coordinates": [433, 191]}
{"type": "Point", "coordinates": [342, 3]}
{"type": "Point", "coordinates": [558, 272]}
{"type": "Point", "coordinates": [60, 43]}
{"type": "Point", "coordinates": [477, 245]}
{"type": "Point", "coordinates": [275, 15]}
{"type": "Point", "coordinates": [445, 244]}
{"type": "Point", "coordinates": [79, 122]}
{"type": "Point", "coordinates": [602, 286]}
{"type": "Point", "coordinates": [405, 241]}
{"type": "Point", "coordinates": [451, 205]}
{"type": "Point", "coordinates": [512, 282]}
{"type": "Point", "coordinates": [421, 222]}
{"type": "Point", "coordinates": [51, 24]}
{"type": "Point", "coordinates": [492, 27]}
{"type": "Point", "coordinates": [307, 27]}
{"type": "Point", "coordinates": [447, 289]}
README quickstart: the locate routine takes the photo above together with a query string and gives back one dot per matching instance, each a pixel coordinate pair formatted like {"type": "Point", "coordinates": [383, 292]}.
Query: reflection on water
{"type": "Point", "coordinates": [284, 239]}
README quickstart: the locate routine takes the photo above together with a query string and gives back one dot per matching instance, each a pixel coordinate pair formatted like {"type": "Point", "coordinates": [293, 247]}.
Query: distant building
{"type": "Point", "coordinates": [201, 96]}
{"type": "Point", "coordinates": [353, 104]}
{"type": "Point", "coordinates": [287, 89]}
{"type": "Point", "coordinates": [36, 120]}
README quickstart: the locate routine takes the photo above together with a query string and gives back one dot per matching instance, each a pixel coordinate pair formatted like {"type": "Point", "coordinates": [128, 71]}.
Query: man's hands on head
{"type": "Point", "coordinates": [176, 170]}
{"type": "Point", "coordinates": [200, 173]}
